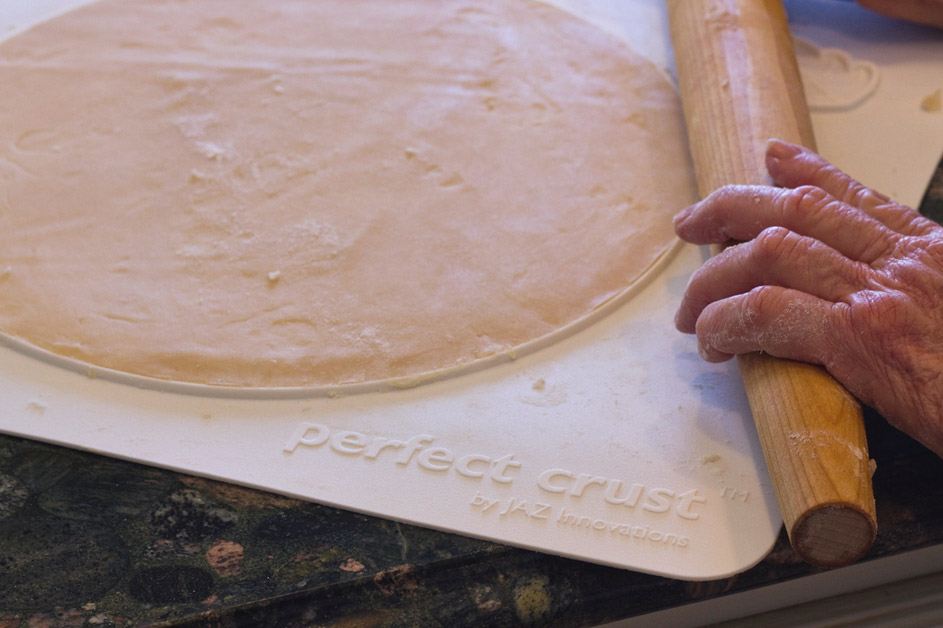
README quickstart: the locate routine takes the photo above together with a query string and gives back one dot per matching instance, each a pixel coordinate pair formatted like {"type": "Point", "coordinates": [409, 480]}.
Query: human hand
{"type": "Point", "coordinates": [929, 12]}
{"type": "Point", "coordinates": [829, 272]}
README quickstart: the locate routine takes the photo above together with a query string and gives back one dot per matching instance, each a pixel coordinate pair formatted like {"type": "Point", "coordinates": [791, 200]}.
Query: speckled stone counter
{"type": "Point", "coordinates": [87, 540]}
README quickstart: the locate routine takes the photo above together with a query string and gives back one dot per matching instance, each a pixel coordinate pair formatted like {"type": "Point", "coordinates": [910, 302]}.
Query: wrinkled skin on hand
{"type": "Point", "coordinates": [826, 271]}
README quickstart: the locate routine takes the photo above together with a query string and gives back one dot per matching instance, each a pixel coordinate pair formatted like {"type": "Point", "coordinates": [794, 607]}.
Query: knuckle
{"type": "Point", "coordinates": [911, 273]}
{"type": "Point", "coordinates": [875, 314]}
{"type": "Point", "coordinates": [804, 201]}
{"type": "Point", "coordinates": [934, 248]}
{"type": "Point", "coordinates": [771, 244]}
{"type": "Point", "coordinates": [883, 323]}
{"type": "Point", "coordinates": [759, 295]}
{"type": "Point", "coordinates": [755, 304]}
{"type": "Point", "coordinates": [860, 196]}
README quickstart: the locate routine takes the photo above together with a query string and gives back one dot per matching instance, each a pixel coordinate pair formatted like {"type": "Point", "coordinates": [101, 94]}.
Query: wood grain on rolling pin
{"type": "Point", "coordinates": [740, 87]}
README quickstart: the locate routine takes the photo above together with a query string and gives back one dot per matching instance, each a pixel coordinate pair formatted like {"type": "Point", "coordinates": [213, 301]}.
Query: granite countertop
{"type": "Point", "coordinates": [87, 540]}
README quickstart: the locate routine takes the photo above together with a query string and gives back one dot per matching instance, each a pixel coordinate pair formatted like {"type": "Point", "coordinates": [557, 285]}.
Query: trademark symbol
{"type": "Point", "coordinates": [735, 494]}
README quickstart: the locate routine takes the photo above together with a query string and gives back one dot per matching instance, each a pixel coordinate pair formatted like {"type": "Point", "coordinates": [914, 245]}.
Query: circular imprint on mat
{"type": "Point", "coordinates": [273, 194]}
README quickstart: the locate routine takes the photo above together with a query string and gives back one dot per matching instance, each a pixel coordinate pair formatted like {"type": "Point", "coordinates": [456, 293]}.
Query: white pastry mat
{"type": "Point", "coordinates": [617, 445]}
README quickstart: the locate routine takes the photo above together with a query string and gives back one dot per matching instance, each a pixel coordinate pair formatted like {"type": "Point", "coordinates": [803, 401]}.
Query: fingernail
{"type": "Point", "coordinates": [703, 352]}
{"type": "Point", "coordinates": [682, 215]}
{"type": "Point", "coordinates": [779, 150]}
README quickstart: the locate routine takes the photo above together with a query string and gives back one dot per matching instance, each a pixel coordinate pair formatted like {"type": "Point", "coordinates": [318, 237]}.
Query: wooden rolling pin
{"type": "Point", "coordinates": [740, 86]}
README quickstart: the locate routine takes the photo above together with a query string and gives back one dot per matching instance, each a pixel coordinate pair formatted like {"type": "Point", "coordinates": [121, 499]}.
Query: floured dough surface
{"type": "Point", "coordinates": [287, 193]}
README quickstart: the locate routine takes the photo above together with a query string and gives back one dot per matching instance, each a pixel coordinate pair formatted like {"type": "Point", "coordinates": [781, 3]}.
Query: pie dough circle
{"type": "Point", "coordinates": [286, 193]}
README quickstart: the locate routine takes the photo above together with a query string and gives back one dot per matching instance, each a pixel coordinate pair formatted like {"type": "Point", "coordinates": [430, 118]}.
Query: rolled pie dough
{"type": "Point", "coordinates": [290, 193]}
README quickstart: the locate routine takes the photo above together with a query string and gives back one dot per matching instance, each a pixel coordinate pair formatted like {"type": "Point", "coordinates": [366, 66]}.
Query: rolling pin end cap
{"type": "Point", "coordinates": [833, 535]}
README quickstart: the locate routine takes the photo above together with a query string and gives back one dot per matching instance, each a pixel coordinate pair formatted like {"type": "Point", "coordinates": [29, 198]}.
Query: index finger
{"type": "Point", "coordinates": [741, 212]}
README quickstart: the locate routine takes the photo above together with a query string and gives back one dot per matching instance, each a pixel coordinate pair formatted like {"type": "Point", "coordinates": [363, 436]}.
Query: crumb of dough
{"type": "Point", "coordinates": [933, 102]}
